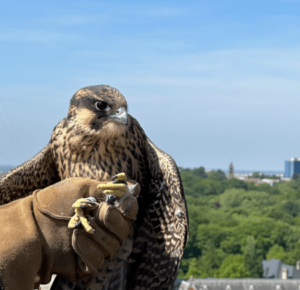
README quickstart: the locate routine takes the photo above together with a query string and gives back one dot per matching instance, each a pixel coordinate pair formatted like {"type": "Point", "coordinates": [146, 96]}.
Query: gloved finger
{"type": "Point", "coordinates": [113, 220]}
{"type": "Point", "coordinates": [106, 240]}
{"type": "Point", "coordinates": [89, 252]}
{"type": "Point", "coordinates": [129, 207]}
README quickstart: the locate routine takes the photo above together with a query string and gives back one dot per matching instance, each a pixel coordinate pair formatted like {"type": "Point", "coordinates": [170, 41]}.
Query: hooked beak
{"type": "Point", "coordinates": [120, 115]}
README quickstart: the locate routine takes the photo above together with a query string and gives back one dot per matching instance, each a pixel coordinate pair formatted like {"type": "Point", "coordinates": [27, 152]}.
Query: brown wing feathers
{"type": "Point", "coordinates": [38, 172]}
{"type": "Point", "coordinates": [163, 234]}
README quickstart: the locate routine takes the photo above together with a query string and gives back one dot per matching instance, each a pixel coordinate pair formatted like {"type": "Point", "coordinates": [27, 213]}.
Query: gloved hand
{"type": "Point", "coordinates": [35, 241]}
{"type": "Point", "coordinates": [109, 226]}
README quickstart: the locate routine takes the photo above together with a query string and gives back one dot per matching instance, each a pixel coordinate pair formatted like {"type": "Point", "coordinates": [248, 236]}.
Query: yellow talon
{"type": "Point", "coordinates": [118, 193]}
{"type": "Point", "coordinates": [116, 189]}
{"type": "Point", "coordinates": [121, 176]}
{"type": "Point", "coordinates": [83, 220]}
{"type": "Point", "coordinates": [111, 185]}
{"type": "Point", "coordinates": [73, 221]}
{"type": "Point", "coordinates": [79, 215]}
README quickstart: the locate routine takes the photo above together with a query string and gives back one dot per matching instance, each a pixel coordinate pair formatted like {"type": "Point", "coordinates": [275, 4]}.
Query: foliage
{"type": "Point", "coordinates": [252, 261]}
{"type": "Point", "coordinates": [232, 267]}
{"type": "Point", "coordinates": [234, 225]}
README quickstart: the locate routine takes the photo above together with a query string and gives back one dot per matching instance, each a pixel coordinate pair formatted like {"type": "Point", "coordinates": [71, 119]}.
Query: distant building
{"type": "Point", "coordinates": [292, 166]}
{"type": "Point", "coordinates": [270, 181]}
{"type": "Point", "coordinates": [276, 269]}
{"type": "Point", "coordinates": [240, 176]}
{"type": "Point", "coordinates": [258, 181]}
{"type": "Point", "coordinates": [231, 171]}
{"type": "Point", "coordinates": [276, 276]}
{"type": "Point", "coordinates": [240, 284]}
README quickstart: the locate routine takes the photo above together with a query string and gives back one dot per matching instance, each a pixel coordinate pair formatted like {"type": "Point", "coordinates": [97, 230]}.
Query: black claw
{"type": "Point", "coordinates": [114, 177]}
{"type": "Point", "coordinates": [119, 181]}
{"type": "Point", "coordinates": [92, 199]}
{"type": "Point", "coordinates": [110, 199]}
{"type": "Point", "coordinates": [77, 224]}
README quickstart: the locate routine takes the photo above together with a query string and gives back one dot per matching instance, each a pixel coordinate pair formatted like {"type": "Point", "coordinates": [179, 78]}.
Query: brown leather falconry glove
{"type": "Point", "coordinates": [35, 241]}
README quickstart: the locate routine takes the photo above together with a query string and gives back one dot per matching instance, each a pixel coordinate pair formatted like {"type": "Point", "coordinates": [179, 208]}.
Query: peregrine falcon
{"type": "Point", "coordinates": [99, 139]}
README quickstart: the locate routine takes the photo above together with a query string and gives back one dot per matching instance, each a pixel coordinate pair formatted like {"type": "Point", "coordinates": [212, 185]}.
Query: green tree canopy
{"type": "Point", "coordinates": [234, 225]}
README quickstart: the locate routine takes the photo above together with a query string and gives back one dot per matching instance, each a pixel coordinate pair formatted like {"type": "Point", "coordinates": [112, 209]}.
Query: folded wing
{"type": "Point", "coordinates": [162, 237]}
{"type": "Point", "coordinates": [36, 173]}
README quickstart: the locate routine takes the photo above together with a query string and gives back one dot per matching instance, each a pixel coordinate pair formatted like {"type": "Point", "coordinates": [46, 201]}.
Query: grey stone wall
{"type": "Point", "coordinates": [240, 284]}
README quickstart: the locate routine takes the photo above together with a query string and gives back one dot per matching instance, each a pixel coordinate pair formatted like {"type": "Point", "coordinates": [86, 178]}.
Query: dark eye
{"type": "Point", "coordinates": [101, 106]}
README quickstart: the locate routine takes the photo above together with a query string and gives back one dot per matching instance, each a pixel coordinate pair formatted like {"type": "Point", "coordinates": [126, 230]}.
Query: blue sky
{"type": "Point", "coordinates": [210, 81]}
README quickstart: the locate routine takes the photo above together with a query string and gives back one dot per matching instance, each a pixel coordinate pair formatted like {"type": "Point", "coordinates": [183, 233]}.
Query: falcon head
{"type": "Point", "coordinates": [99, 110]}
